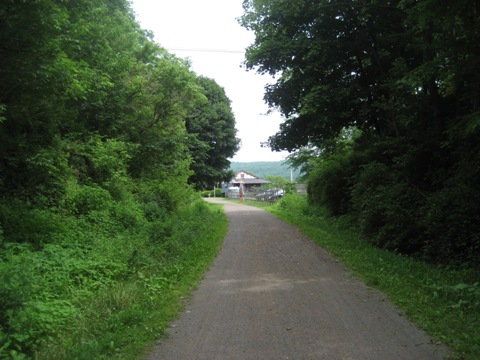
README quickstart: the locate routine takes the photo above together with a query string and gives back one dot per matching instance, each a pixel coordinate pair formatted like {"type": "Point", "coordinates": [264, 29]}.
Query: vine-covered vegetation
{"type": "Point", "coordinates": [100, 131]}
{"type": "Point", "coordinates": [381, 102]}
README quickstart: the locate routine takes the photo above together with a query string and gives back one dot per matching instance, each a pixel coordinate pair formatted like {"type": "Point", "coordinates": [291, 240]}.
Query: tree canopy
{"type": "Point", "coordinates": [211, 127]}
{"type": "Point", "coordinates": [383, 66]}
{"type": "Point", "coordinates": [72, 71]}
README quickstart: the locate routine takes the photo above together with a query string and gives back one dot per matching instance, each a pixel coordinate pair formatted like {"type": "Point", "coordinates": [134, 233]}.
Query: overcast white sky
{"type": "Point", "coordinates": [183, 26]}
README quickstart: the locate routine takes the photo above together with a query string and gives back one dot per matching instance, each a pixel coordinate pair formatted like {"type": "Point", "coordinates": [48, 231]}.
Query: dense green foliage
{"type": "Point", "coordinates": [99, 128]}
{"type": "Point", "coordinates": [107, 283]}
{"type": "Point", "coordinates": [381, 103]}
{"type": "Point", "coordinates": [439, 299]}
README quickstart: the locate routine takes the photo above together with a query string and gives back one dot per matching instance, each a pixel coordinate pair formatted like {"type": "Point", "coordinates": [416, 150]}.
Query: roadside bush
{"type": "Point", "coordinates": [368, 196]}
{"type": "Point", "coordinates": [211, 193]}
{"type": "Point", "coordinates": [20, 286]}
{"type": "Point", "coordinates": [293, 203]}
{"type": "Point", "coordinates": [54, 262]}
{"type": "Point", "coordinates": [99, 160]}
{"type": "Point", "coordinates": [391, 190]}
{"type": "Point", "coordinates": [31, 325]}
{"type": "Point", "coordinates": [138, 304]}
{"type": "Point", "coordinates": [16, 279]}
{"type": "Point", "coordinates": [47, 174]}
{"type": "Point", "coordinates": [152, 211]}
{"type": "Point", "coordinates": [128, 213]}
{"type": "Point", "coordinates": [386, 209]}
{"type": "Point", "coordinates": [168, 197]}
{"type": "Point", "coordinates": [452, 225]}
{"type": "Point", "coordinates": [22, 223]}
{"type": "Point", "coordinates": [40, 291]}
{"type": "Point", "coordinates": [328, 184]}
{"type": "Point", "coordinates": [90, 198]}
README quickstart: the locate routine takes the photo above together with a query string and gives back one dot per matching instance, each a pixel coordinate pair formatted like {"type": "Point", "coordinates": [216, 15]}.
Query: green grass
{"type": "Point", "coordinates": [445, 302]}
{"type": "Point", "coordinates": [111, 296]}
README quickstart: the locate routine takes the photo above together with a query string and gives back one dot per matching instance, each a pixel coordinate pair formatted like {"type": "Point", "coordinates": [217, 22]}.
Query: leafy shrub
{"type": "Point", "coordinates": [90, 198]}
{"type": "Point", "coordinates": [386, 209]}
{"type": "Point", "coordinates": [368, 194]}
{"type": "Point", "coordinates": [168, 196]}
{"type": "Point", "coordinates": [22, 223]}
{"type": "Point", "coordinates": [30, 325]}
{"type": "Point", "coordinates": [48, 173]}
{"type": "Point", "coordinates": [139, 305]}
{"type": "Point", "coordinates": [328, 184]}
{"type": "Point", "coordinates": [37, 289]}
{"type": "Point", "coordinates": [16, 278]}
{"type": "Point", "coordinates": [128, 213]}
{"type": "Point", "coordinates": [152, 211]}
{"type": "Point", "coordinates": [293, 203]}
{"type": "Point", "coordinates": [390, 188]}
{"type": "Point", "coordinates": [160, 230]}
{"type": "Point", "coordinates": [100, 160]}
{"type": "Point", "coordinates": [452, 224]}
{"type": "Point", "coordinates": [211, 193]}
{"type": "Point", "coordinates": [118, 188]}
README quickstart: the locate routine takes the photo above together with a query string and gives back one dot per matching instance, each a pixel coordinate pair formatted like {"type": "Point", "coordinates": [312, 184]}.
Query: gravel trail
{"type": "Point", "coordinates": [273, 294]}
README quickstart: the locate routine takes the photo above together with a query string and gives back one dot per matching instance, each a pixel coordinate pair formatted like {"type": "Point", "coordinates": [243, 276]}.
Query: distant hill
{"type": "Point", "coordinates": [264, 168]}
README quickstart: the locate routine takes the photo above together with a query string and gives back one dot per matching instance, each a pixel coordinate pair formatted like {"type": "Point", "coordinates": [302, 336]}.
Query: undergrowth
{"type": "Point", "coordinates": [98, 282]}
{"type": "Point", "coordinates": [443, 301]}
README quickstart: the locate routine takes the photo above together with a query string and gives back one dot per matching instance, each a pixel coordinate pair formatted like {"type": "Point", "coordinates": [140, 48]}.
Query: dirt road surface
{"type": "Point", "coordinates": [273, 294]}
